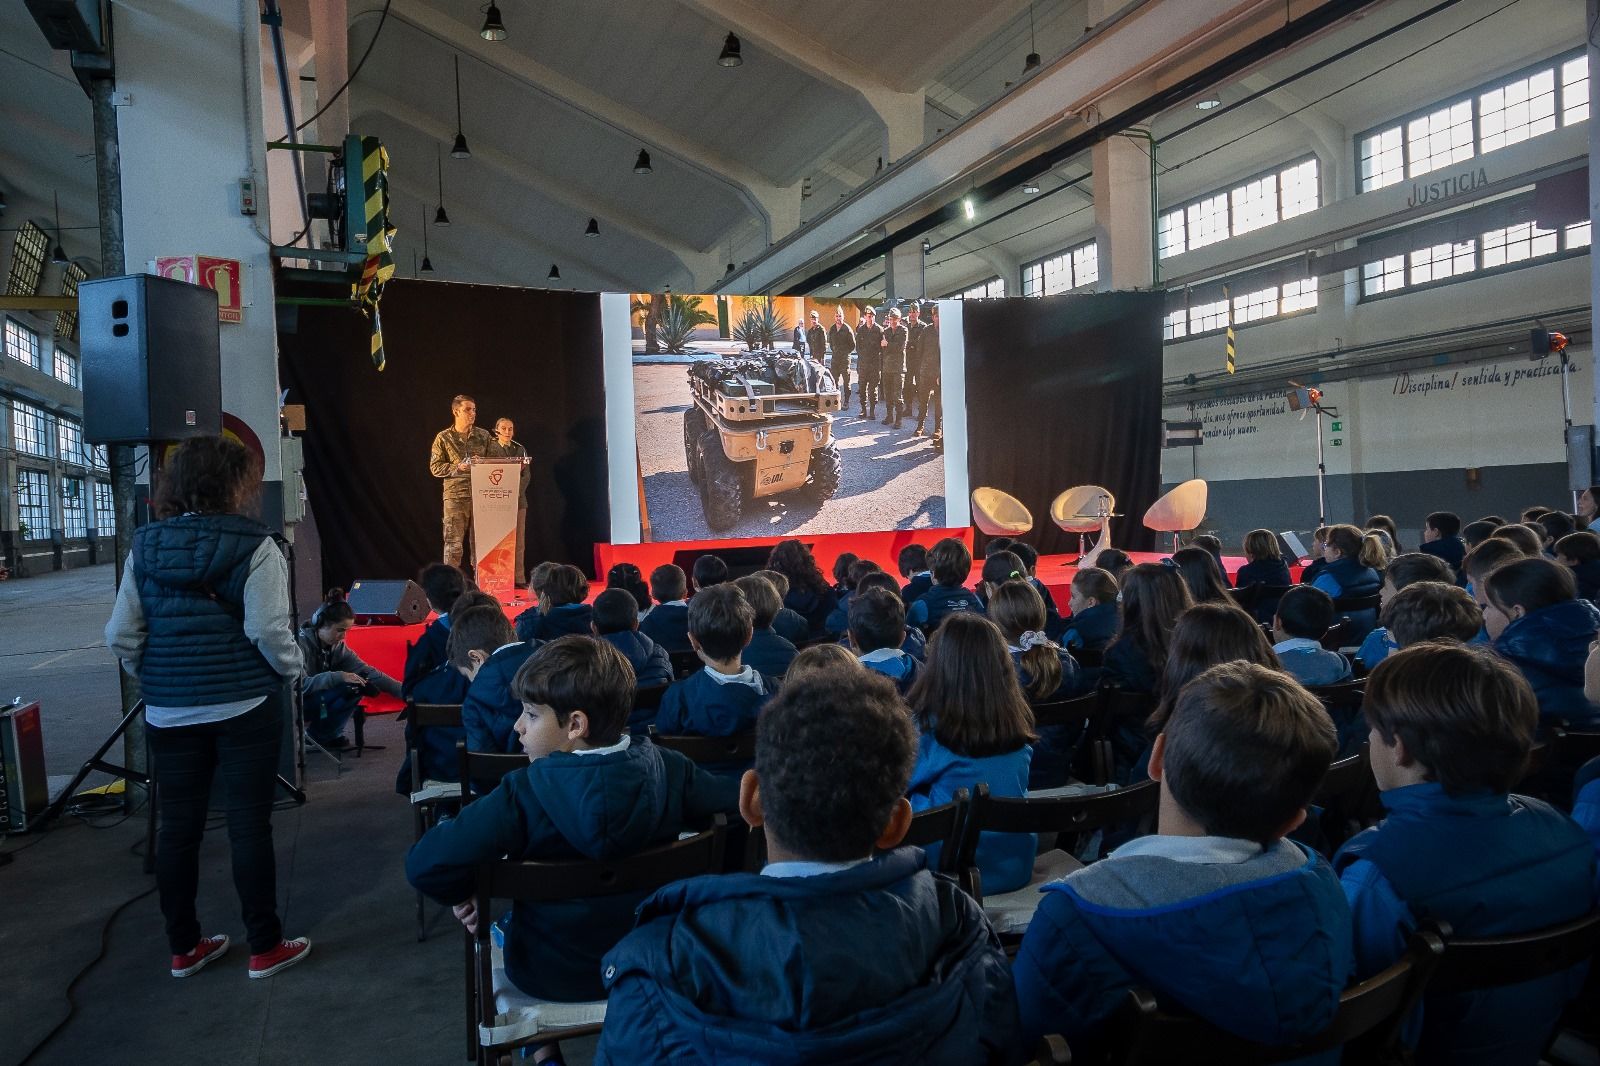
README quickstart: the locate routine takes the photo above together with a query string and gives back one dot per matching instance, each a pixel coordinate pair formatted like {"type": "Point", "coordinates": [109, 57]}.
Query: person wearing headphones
{"type": "Point", "coordinates": [336, 678]}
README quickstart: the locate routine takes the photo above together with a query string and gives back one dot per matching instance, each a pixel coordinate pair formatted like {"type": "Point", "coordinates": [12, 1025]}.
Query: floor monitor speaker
{"type": "Point", "coordinates": [152, 360]}
{"type": "Point", "coordinates": [388, 603]}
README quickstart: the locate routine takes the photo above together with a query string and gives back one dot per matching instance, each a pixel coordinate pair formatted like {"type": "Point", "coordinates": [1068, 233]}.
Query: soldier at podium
{"type": "Point", "coordinates": [506, 446]}
{"type": "Point", "coordinates": [454, 448]}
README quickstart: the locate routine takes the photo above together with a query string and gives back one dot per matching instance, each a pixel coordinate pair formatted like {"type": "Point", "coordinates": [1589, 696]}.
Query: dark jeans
{"type": "Point", "coordinates": [185, 758]}
{"type": "Point", "coordinates": [327, 711]}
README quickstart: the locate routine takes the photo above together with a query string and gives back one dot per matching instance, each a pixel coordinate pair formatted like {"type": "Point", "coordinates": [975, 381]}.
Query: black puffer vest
{"type": "Point", "coordinates": [191, 573]}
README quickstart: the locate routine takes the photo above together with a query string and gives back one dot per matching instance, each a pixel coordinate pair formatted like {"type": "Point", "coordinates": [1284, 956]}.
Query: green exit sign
{"type": "Point", "coordinates": [1337, 442]}
{"type": "Point", "coordinates": [1337, 426]}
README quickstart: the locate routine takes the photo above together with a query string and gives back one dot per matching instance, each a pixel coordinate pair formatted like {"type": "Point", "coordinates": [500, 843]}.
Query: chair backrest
{"type": "Point", "coordinates": [684, 663]}
{"type": "Point", "coordinates": [1122, 705]}
{"type": "Point", "coordinates": [1090, 658]}
{"type": "Point", "coordinates": [648, 698]}
{"type": "Point", "coordinates": [425, 716]}
{"type": "Point", "coordinates": [481, 771]}
{"type": "Point", "coordinates": [1349, 604]}
{"type": "Point", "coordinates": [943, 825]}
{"type": "Point", "coordinates": [1574, 747]}
{"type": "Point", "coordinates": [1345, 780]}
{"type": "Point", "coordinates": [1370, 1015]}
{"type": "Point", "coordinates": [1076, 711]}
{"type": "Point", "coordinates": [1345, 694]}
{"type": "Point", "coordinates": [534, 881]}
{"type": "Point", "coordinates": [701, 750]}
{"type": "Point", "coordinates": [1492, 962]}
{"type": "Point", "coordinates": [1060, 814]}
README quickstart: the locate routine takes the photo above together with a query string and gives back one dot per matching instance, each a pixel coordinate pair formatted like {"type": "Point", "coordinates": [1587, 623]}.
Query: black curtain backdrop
{"type": "Point", "coordinates": [531, 355]}
{"type": "Point", "coordinates": [1064, 391]}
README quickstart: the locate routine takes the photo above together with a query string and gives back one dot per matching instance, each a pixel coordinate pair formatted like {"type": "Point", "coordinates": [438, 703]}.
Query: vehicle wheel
{"type": "Point", "coordinates": [825, 470]}
{"type": "Point", "coordinates": [694, 427]}
{"type": "Point", "coordinates": [721, 484]}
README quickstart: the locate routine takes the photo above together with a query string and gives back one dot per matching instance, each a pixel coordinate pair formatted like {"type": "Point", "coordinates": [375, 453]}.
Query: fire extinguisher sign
{"type": "Point", "coordinates": [223, 276]}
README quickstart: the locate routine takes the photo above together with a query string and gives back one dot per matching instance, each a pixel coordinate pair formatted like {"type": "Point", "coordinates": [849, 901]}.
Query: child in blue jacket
{"type": "Point", "coordinates": [589, 791]}
{"type": "Point", "coordinates": [1452, 726]}
{"type": "Point", "coordinates": [912, 562]}
{"type": "Point", "coordinates": [615, 620]}
{"type": "Point", "coordinates": [951, 564]}
{"type": "Point", "coordinates": [443, 584]}
{"type": "Point", "coordinates": [1045, 670]}
{"type": "Point", "coordinates": [1580, 553]}
{"type": "Point", "coordinates": [1218, 914]}
{"type": "Point", "coordinates": [1404, 570]}
{"type": "Point", "coordinates": [975, 728]}
{"type": "Point", "coordinates": [1352, 557]}
{"type": "Point", "coordinates": [723, 699]}
{"type": "Point", "coordinates": [1092, 601]}
{"type": "Point", "coordinates": [768, 653]}
{"type": "Point", "coordinates": [667, 623]}
{"type": "Point", "coordinates": [840, 950]}
{"type": "Point", "coordinates": [485, 649]}
{"type": "Point", "coordinates": [561, 609]}
{"type": "Point", "coordinates": [877, 626]}
{"type": "Point", "coordinates": [1532, 613]}
{"type": "Point", "coordinates": [1304, 615]}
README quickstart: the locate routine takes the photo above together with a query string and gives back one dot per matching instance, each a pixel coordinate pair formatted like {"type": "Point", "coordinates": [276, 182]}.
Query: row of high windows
{"type": "Point", "coordinates": [85, 504]}
{"type": "Point", "coordinates": [23, 345]}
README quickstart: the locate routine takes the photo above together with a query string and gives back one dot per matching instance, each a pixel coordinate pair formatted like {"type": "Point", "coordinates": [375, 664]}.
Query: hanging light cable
{"type": "Point", "coordinates": [459, 150]}
{"type": "Point", "coordinates": [440, 218]}
{"type": "Point", "coordinates": [58, 255]}
{"type": "Point", "coordinates": [427, 264]}
{"type": "Point", "coordinates": [1031, 62]}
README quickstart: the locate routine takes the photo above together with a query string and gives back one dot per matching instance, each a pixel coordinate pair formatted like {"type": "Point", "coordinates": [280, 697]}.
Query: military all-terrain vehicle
{"type": "Point", "coordinates": [761, 424]}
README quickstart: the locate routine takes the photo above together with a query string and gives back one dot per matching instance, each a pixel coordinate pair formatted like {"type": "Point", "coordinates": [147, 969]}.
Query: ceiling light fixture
{"type": "Point", "coordinates": [493, 28]}
{"type": "Point", "coordinates": [730, 56]}
{"type": "Point", "coordinates": [642, 164]}
{"type": "Point", "coordinates": [440, 218]}
{"type": "Point", "coordinates": [968, 207]}
{"type": "Point", "coordinates": [58, 255]}
{"type": "Point", "coordinates": [459, 150]}
{"type": "Point", "coordinates": [1030, 188]}
{"type": "Point", "coordinates": [1206, 103]}
{"type": "Point", "coordinates": [927, 247]}
{"type": "Point", "coordinates": [555, 273]}
{"type": "Point", "coordinates": [593, 229]}
{"type": "Point", "coordinates": [1031, 61]}
{"type": "Point", "coordinates": [427, 264]}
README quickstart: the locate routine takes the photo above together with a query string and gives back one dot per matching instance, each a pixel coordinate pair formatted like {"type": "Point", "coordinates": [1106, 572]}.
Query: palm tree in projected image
{"type": "Point", "coordinates": [651, 310]}
{"type": "Point", "coordinates": [681, 316]}
{"type": "Point", "coordinates": [760, 327]}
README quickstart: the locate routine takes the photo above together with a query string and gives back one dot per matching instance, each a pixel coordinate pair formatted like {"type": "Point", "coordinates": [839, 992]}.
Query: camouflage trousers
{"type": "Point", "coordinates": [457, 528]}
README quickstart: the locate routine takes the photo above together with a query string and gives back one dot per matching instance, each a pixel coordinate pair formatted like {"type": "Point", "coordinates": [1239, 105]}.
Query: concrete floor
{"type": "Point", "coordinates": [369, 992]}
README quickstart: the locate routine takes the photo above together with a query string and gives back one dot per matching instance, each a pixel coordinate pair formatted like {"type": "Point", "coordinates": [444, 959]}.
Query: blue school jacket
{"type": "Point", "coordinates": [1376, 648]}
{"type": "Point", "coordinates": [1092, 629]}
{"type": "Point", "coordinates": [1052, 752]}
{"type": "Point", "coordinates": [708, 708]}
{"type": "Point", "coordinates": [443, 684]}
{"type": "Point", "coordinates": [651, 664]}
{"type": "Point", "coordinates": [769, 653]}
{"type": "Point", "coordinates": [1126, 666]}
{"type": "Point", "coordinates": [567, 620]}
{"type": "Point", "coordinates": [1313, 665]}
{"type": "Point", "coordinates": [567, 806]}
{"type": "Point", "coordinates": [913, 590]}
{"type": "Point", "coordinates": [881, 962]}
{"type": "Point", "coordinates": [791, 627]}
{"type": "Point", "coordinates": [1260, 948]}
{"type": "Point", "coordinates": [1262, 572]}
{"type": "Point", "coordinates": [1586, 799]}
{"type": "Point", "coordinates": [1005, 860]}
{"type": "Point", "coordinates": [668, 625]}
{"type": "Point", "coordinates": [1587, 575]}
{"type": "Point", "coordinates": [814, 607]}
{"type": "Point", "coordinates": [1490, 865]}
{"type": "Point", "coordinates": [1054, 624]}
{"type": "Point", "coordinates": [941, 600]}
{"type": "Point", "coordinates": [1347, 578]}
{"type": "Point", "coordinates": [1549, 646]}
{"type": "Point", "coordinates": [902, 669]}
{"type": "Point", "coordinates": [490, 711]}
{"type": "Point", "coordinates": [839, 618]}
{"type": "Point", "coordinates": [1451, 549]}
{"type": "Point", "coordinates": [427, 653]}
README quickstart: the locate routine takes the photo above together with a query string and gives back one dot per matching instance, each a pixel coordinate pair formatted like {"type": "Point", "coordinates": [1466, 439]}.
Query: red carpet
{"type": "Point", "coordinates": [385, 646]}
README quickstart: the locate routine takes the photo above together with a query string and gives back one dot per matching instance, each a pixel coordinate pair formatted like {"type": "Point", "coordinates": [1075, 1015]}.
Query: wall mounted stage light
{"type": "Point", "coordinates": [642, 164]}
{"type": "Point", "coordinates": [730, 56]}
{"type": "Point", "coordinates": [493, 28]}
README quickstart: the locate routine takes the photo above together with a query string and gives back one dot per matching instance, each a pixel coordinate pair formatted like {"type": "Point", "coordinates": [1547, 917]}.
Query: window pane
{"type": "Point", "coordinates": [1208, 221]}
{"type": "Point", "coordinates": [1381, 160]}
{"type": "Point", "coordinates": [1300, 296]}
{"type": "Point", "coordinates": [1578, 235]}
{"type": "Point", "coordinates": [1385, 275]}
{"type": "Point", "coordinates": [1057, 275]}
{"type": "Point", "coordinates": [1032, 279]}
{"type": "Point", "coordinates": [1440, 138]}
{"type": "Point", "coordinates": [1254, 306]}
{"type": "Point", "coordinates": [66, 367]}
{"type": "Point", "coordinates": [1300, 190]}
{"type": "Point", "coordinates": [30, 429]}
{"type": "Point", "coordinates": [1171, 234]}
{"type": "Point", "coordinates": [1523, 108]}
{"type": "Point", "coordinates": [1254, 204]}
{"type": "Point", "coordinates": [69, 442]}
{"type": "Point", "coordinates": [22, 344]}
{"type": "Point", "coordinates": [33, 504]}
{"type": "Point", "coordinates": [1085, 264]}
{"type": "Point", "coordinates": [74, 508]}
{"type": "Point", "coordinates": [1175, 325]}
{"type": "Point", "coordinates": [105, 513]}
{"type": "Point", "coordinates": [1575, 90]}
{"type": "Point", "coordinates": [1442, 261]}
{"type": "Point", "coordinates": [1516, 243]}
{"type": "Point", "coordinates": [1208, 316]}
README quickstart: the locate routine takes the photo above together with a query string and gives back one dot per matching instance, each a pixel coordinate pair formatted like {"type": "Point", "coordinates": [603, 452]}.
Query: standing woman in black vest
{"type": "Point", "coordinates": [203, 621]}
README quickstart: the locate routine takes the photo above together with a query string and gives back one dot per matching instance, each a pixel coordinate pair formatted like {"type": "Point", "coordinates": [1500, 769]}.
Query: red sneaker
{"type": "Point", "coordinates": [210, 947]}
{"type": "Point", "coordinates": [286, 954]}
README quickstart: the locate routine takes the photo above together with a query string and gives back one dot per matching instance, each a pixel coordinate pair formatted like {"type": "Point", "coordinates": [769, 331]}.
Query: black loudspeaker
{"type": "Point", "coordinates": [388, 603]}
{"type": "Point", "coordinates": [152, 360]}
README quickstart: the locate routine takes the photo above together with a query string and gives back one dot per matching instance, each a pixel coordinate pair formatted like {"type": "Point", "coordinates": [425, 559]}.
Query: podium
{"type": "Point", "coordinates": [496, 486]}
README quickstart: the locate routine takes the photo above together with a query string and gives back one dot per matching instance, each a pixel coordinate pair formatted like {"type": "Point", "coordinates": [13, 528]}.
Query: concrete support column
{"type": "Point", "coordinates": [903, 120]}
{"type": "Point", "coordinates": [903, 273]}
{"type": "Point", "coordinates": [189, 75]}
{"type": "Point", "coordinates": [782, 205]}
{"type": "Point", "coordinates": [1122, 216]}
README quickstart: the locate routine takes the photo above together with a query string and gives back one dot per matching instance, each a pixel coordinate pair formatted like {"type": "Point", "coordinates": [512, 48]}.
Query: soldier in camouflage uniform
{"type": "Point", "coordinates": [869, 360]}
{"type": "Point", "coordinates": [893, 368]}
{"type": "Point", "coordinates": [841, 341]}
{"type": "Point", "coordinates": [450, 459]}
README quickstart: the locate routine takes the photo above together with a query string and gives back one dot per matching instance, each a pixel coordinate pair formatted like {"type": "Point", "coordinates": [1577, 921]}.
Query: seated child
{"type": "Point", "coordinates": [1093, 622]}
{"type": "Point", "coordinates": [1580, 553]}
{"type": "Point", "coordinates": [442, 584]}
{"type": "Point", "coordinates": [1475, 533]}
{"type": "Point", "coordinates": [1441, 538]}
{"type": "Point", "coordinates": [1556, 524]}
{"type": "Point", "coordinates": [841, 572]}
{"type": "Point", "coordinates": [667, 622]}
{"type": "Point", "coordinates": [1304, 616]}
{"type": "Point", "coordinates": [1264, 566]}
{"type": "Point", "coordinates": [486, 651]}
{"type": "Point", "coordinates": [877, 626]}
{"type": "Point", "coordinates": [975, 727]}
{"type": "Point", "coordinates": [1492, 553]}
{"type": "Point", "coordinates": [708, 570]}
{"type": "Point", "coordinates": [615, 620]}
{"type": "Point", "coordinates": [951, 564]}
{"type": "Point", "coordinates": [1153, 596]}
{"type": "Point", "coordinates": [723, 699]}
{"type": "Point", "coordinates": [1217, 913]}
{"type": "Point", "coordinates": [913, 565]}
{"type": "Point", "coordinates": [1533, 615]}
{"type": "Point", "coordinates": [589, 791]}
{"type": "Point", "coordinates": [1451, 730]}
{"type": "Point", "coordinates": [1405, 570]}
{"type": "Point", "coordinates": [1527, 540]}
{"type": "Point", "coordinates": [1115, 562]}
{"type": "Point", "coordinates": [840, 950]}
{"type": "Point", "coordinates": [335, 678]}
{"type": "Point", "coordinates": [1353, 558]}
{"type": "Point", "coordinates": [788, 623]}
{"type": "Point", "coordinates": [1431, 610]}
{"type": "Point", "coordinates": [1045, 670]}
{"type": "Point", "coordinates": [767, 652]}
{"type": "Point", "coordinates": [1203, 574]}
{"type": "Point", "coordinates": [1211, 544]}
{"type": "Point", "coordinates": [1054, 624]}
{"type": "Point", "coordinates": [626, 576]}
{"type": "Point", "coordinates": [810, 596]}
{"type": "Point", "coordinates": [914, 644]}
{"type": "Point", "coordinates": [444, 684]}
{"type": "Point", "coordinates": [826, 659]}
{"type": "Point", "coordinates": [561, 610]}
{"type": "Point", "coordinates": [998, 568]}
{"type": "Point", "coordinates": [839, 618]}
{"type": "Point", "coordinates": [1317, 562]}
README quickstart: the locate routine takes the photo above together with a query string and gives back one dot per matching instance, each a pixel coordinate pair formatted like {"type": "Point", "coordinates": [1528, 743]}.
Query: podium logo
{"type": "Point", "coordinates": [495, 476]}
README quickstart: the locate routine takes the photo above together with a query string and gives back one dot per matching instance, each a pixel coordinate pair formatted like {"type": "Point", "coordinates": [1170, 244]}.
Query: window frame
{"type": "Point", "coordinates": [1236, 298]}
{"type": "Point", "coordinates": [1225, 194]}
{"type": "Point", "coordinates": [25, 330]}
{"type": "Point", "coordinates": [1068, 257]}
{"type": "Point", "coordinates": [74, 518]}
{"type": "Point", "coordinates": [104, 508]}
{"type": "Point", "coordinates": [1564, 250]}
{"type": "Point", "coordinates": [28, 505]}
{"type": "Point", "coordinates": [20, 412]}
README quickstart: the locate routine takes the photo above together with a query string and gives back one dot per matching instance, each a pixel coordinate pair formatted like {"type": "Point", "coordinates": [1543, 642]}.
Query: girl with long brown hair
{"type": "Point", "coordinates": [1153, 595]}
{"type": "Point", "coordinates": [1045, 670]}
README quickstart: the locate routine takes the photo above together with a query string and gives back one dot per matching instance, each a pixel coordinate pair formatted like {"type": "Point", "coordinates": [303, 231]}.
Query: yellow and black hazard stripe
{"type": "Point", "coordinates": [379, 265]}
{"type": "Point", "coordinates": [1227, 299]}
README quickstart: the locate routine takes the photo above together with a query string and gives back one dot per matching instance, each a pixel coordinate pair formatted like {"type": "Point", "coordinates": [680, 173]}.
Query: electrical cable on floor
{"type": "Point", "coordinates": [72, 1007]}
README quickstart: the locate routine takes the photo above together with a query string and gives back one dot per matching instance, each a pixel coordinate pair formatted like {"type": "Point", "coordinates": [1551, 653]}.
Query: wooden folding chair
{"type": "Point", "coordinates": [1367, 1024]}
{"type": "Point", "coordinates": [428, 796]}
{"type": "Point", "coordinates": [649, 697]}
{"type": "Point", "coordinates": [943, 825]}
{"type": "Point", "coordinates": [709, 751]}
{"type": "Point", "coordinates": [684, 663]}
{"type": "Point", "coordinates": [1090, 658]}
{"type": "Point", "coordinates": [1348, 796]}
{"type": "Point", "coordinates": [548, 882]}
{"type": "Point", "coordinates": [1123, 714]}
{"type": "Point", "coordinates": [1473, 964]}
